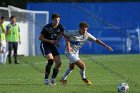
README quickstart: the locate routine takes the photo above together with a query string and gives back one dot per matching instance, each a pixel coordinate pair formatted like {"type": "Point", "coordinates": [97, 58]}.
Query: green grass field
{"type": "Point", "coordinates": [28, 76]}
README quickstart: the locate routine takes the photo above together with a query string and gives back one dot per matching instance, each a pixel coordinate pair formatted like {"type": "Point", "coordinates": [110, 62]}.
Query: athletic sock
{"type": "Point", "coordinates": [55, 73]}
{"type": "Point", "coordinates": [67, 72]}
{"type": "Point", "coordinates": [15, 58]}
{"type": "Point", "coordinates": [48, 68]}
{"type": "Point", "coordinates": [1, 58]}
{"type": "Point", "coordinates": [9, 59]}
{"type": "Point", "coordinates": [47, 71]}
{"type": "Point", "coordinates": [82, 73]}
{"type": "Point", "coordinates": [4, 57]}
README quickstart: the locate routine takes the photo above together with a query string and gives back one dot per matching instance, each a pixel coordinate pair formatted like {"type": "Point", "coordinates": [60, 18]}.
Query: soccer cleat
{"type": "Point", "coordinates": [63, 81]}
{"type": "Point", "coordinates": [47, 82]}
{"type": "Point", "coordinates": [86, 81]}
{"type": "Point", "coordinates": [16, 62]}
{"type": "Point", "coordinates": [53, 81]}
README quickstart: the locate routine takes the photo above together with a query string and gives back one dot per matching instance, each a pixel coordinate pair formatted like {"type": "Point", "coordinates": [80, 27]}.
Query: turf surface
{"type": "Point", "coordinates": [104, 71]}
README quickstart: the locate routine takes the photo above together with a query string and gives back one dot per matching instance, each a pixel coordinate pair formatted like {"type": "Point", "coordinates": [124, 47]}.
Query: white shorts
{"type": "Point", "coordinates": [73, 57]}
{"type": "Point", "coordinates": [3, 46]}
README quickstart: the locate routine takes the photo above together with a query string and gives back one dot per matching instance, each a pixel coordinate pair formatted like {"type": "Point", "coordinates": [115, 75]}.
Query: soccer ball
{"type": "Point", "coordinates": [123, 87]}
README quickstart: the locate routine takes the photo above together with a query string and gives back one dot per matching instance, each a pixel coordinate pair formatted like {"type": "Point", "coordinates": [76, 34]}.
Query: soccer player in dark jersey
{"type": "Point", "coordinates": [50, 36]}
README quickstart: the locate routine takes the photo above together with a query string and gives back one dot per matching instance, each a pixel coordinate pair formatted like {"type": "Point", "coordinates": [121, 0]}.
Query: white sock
{"type": "Point", "coordinates": [4, 57]}
{"type": "Point", "coordinates": [82, 72]}
{"type": "Point", "coordinates": [68, 71]}
{"type": "Point", "coordinates": [1, 58]}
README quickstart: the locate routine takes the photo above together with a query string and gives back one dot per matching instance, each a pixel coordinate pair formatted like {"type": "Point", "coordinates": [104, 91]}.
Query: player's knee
{"type": "Point", "coordinates": [82, 67]}
{"type": "Point", "coordinates": [58, 64]}
{"type": "Point", "coordinates": [15, 55]}
{"type": "Point", "coordinates": [71, 67]}
{"type": "Point", "coordinates": [50, 62]}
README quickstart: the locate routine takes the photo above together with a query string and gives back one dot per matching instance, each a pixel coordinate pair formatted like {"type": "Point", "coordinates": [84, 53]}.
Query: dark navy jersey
{"type": "Point", "coordinates": [51, 33]}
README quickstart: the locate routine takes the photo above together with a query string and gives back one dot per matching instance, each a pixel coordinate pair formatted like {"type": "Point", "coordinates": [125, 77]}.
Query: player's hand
{"type": "Point", "coordinates": [2, 51]}
{"type": "Point", "coordinates": [109, 48]}
{"type": "Point", "coordinates": [57, 44]}
{"type": "Point", "coordinates": [69, 49]}
{"type": "Point", "coordinates": [19, 42]}
{"type": "Point", "coordinates": [53, 42]}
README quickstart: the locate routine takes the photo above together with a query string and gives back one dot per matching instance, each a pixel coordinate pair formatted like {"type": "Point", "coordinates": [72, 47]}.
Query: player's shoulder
{"type": "Point", "coordinates": [3, 24]}
{"type": "Point", "coordinates": [60, 26]}
{"type": "Point", "coordinates": [17, 24]}
{"type": "Point", "coordinates": [48, 25]}
{"type": "Point", "coordinates": [89, 34]}
{"type": "Point", "coordinates": [9, 24]}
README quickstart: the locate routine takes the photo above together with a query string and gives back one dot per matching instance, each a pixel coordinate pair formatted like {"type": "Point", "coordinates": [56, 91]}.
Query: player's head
{"type": "Point", "coordinates": [2, 19]}
{"type": "Point", "coordinates": [13, 19]}
{"type": "Point", "coordinates": [83, 27]}
{"type": "Point", "coordinates": [55, 19]}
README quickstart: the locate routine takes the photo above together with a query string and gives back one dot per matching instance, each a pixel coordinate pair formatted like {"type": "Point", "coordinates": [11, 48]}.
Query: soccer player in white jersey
{"type": "Point", "coordinates": [3, 49]}
{"type": "Point", "coordinates": [75, 40]}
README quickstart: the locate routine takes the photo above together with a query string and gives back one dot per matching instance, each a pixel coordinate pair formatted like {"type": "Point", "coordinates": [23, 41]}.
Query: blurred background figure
{"type": "Point", "coordinates": [3, 50]}
{"type": "Point", "coordinates": [13, 38]}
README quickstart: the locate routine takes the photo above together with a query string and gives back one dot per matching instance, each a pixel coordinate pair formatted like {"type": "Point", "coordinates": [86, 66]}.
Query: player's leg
{"type": "Point", "coordinates": [48, 68]}
{"type": "Point", "coordinates": [15, 47]}
{"type": "Point", "coordinates": [81, 65]}
{"type": "Point", "coordinates": [48, 55]}
{"type": "Point", "coordinates": [72, 59]}
{"type": "Point", "coordinates": [57, 61]}
{"type": "Point", "coordinates": [10, 46]}
{"type": "Point", "coordinates": [1, 56]}
{"type": "Point", "coordinates": [5, 52]}
{"type": "Point", "coordinates": [67, 72]}
{"type": "Point", "coordinates": [5, 57]}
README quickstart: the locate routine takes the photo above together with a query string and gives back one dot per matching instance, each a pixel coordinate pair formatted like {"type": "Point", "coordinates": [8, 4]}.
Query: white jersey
{"type": "Point", "coordinates": [77, 40]}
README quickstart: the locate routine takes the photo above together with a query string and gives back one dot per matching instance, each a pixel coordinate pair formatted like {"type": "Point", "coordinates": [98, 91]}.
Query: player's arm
{"type": "Point", "coordinates": [58, 39]}
{"type": "Point", "coordinates": [8, 30]}
{"type": "Point", "coordinates": [19, 38]}
{"type": "Point", "coordinates": [68, 47]}
{"type": "Point", "coordinates": [41, 37]}
{"type": "Point", "coordinates": [0, 37]}
{"type": "Point", "coordinates": [103, 44]}
{"type": "Point", "coordinates": [3, 29]}
{"type": "Point", "coordinates": [99, 42]}
{"type": "Point", "coordinates": [67, 35]}
{"type": "Point", "coordinates": [19, 35]}
{"type": "Point", "coordinates": [0, 42]}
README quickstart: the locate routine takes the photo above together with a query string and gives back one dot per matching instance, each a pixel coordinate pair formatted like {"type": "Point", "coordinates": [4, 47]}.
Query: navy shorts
{"type": "Point", "coordinates": [46, 49]}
